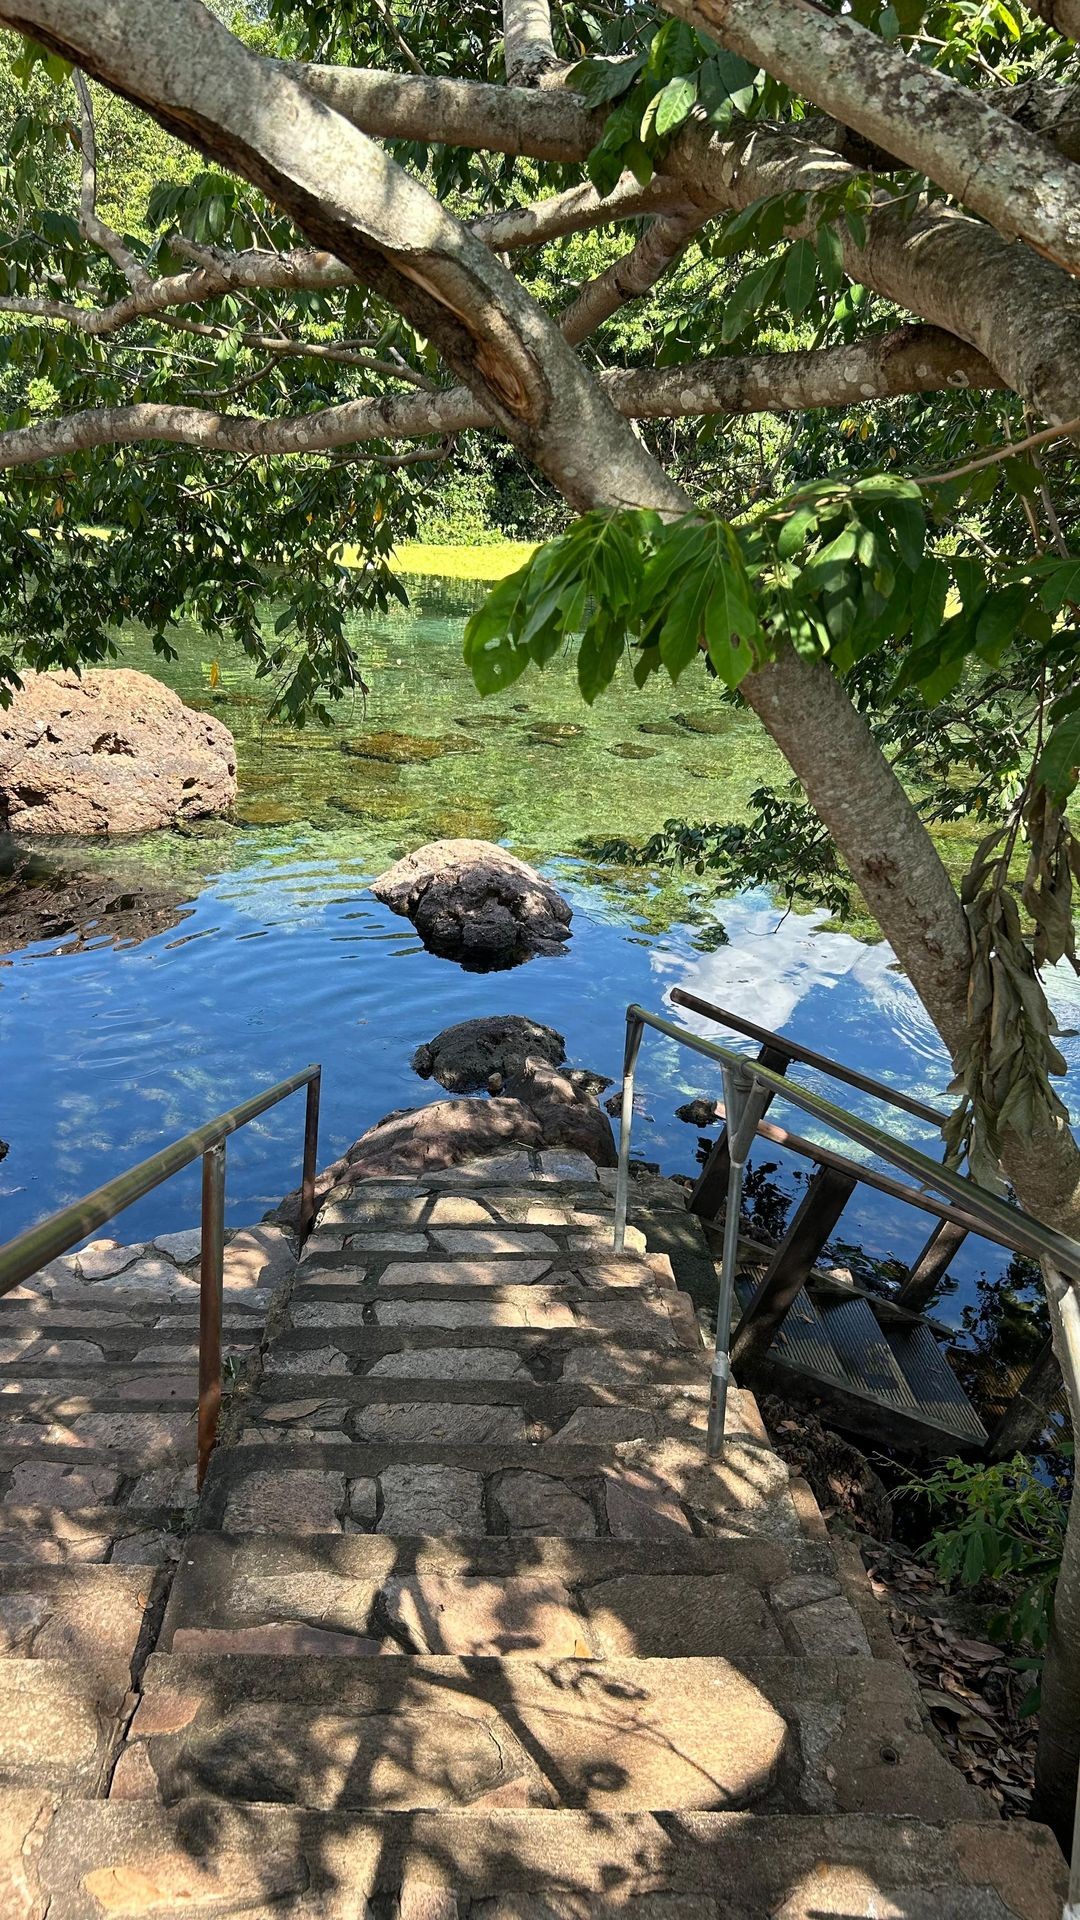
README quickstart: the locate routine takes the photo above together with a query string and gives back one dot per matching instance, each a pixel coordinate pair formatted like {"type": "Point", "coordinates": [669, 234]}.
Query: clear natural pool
{"type": "Point", "coordinates": [241, 951]}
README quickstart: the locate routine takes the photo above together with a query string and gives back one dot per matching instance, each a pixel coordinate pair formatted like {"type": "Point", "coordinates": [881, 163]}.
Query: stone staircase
{"type": "Point", "coordinates": [466, 1628]}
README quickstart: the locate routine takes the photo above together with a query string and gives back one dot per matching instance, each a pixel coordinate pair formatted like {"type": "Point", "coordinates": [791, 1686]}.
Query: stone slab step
{"type": "Point", "coordinates": [92, 1615]}
{"type": "Point", "coordinates": [574, 1357]}
{"type": "Point", "coordinates": [657, 1490]}
{"type": "Point", "coordinates": [272, 1862]}
{"type": "Point", "coordinates": [614, 1735]}
{"type": "Point", "coordinates": [41, 1534]}
{"type": "Point", "coordinates": [51, 1344]}
{"type": "Point", "coordinates": [63, 1395]}
{"type": "Point", "coordinates": [339, 1268]}
{"type": "Point", "coordinates": [364, 1595]}
{"type": "Point", "coordinates": [61, 1723]}
{"type": "Point", "coordinates": [667, 1319]}
{"type": "Point", "coordinates": [129, 1438]}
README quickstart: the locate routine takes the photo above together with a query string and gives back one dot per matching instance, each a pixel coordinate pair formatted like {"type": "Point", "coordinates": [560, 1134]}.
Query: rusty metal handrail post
{"type": "Point", "coordinates": [311, 1155]}
{"type": "Point", "coordinates": [744, 1104]}
{"type": "Point", "coordinates": [211, 1287]}
{"type": "Point", "coordinates": [635, 1029]}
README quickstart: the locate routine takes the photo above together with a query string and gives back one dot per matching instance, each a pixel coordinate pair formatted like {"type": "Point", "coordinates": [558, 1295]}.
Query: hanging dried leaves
{"type": "Point", "coordinates": [1004, 1067]}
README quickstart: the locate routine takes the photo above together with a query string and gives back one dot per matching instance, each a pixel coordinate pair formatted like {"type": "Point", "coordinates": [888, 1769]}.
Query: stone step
{"type": "Point", "coordinates": [575, 1358]}
{"type": "Point", "coordinates": [62, 1395]}
{"type": "Point", "coordinates": [51, 1343]}
{"type": "Point", "coordinates": [614, 1735]}
{"type": "Point", "coordinates": [42, 1534]}
{"type": "Point", "coordinates": [343, 1267]}
{"type": "Point", "coordinates": [82, 1859]}
{"type": "Point", "coordinates": [392, 1408]}
{"type": "Point", "coordinates": [661, 1318]}
{"type": "Point", "coordinates": [362, 1595]}
{"type": "Point", "coordinates": [92, 1615]}
{"type": "Point", "coordinates": [61, 1723]}
{"type": "Point", "coordinates": [656, 1490]}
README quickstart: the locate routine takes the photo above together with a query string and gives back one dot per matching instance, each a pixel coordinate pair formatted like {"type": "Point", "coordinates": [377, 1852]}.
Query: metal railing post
{"type": "Point", "coordinates": [211, 1276]}
{"type": "Point", "coordinates": [634, 1030]}
{"type": "Point", "coordinates": [744, 1104]}
{"type": "Point", "coordinates": [311, 1157]}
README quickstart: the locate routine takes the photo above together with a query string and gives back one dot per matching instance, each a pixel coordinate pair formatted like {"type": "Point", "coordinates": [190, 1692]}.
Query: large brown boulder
{"type": "Point", "coordinates": [110, 751]}
{"type": "Point", "coordinates": [474, 902]}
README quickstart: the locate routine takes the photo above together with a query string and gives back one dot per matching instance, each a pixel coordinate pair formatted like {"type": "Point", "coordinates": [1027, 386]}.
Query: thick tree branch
{"type": "Point", "coordinates": [931, 122]}
{"type": "Point", "coordinates": [548, 124]}
{"type": "Point", "coordinates": [1062, 15]}
{"type": "Point", "coordinates": [1045, 108]}
{"type": "Point", "coordinates": [528, 49]}
{"type": "Point", "coordinates": [912, 360]}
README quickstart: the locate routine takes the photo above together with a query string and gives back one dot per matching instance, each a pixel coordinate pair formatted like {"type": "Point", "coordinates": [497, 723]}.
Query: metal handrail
{"type": "Point", "coordinates": [748, 1087]}
{"type": "Point", "coordinates": [807, 1056]}
{"type": "Point", "coordinates": [30, 1251]}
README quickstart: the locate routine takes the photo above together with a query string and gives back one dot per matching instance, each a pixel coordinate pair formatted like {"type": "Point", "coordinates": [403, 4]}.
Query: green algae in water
{"type": "Point", "coordinates": [706, 723]}
{"type": "Point", "coordinates": [406, 749]}
{"type": "Point", "coordinates": [632, 750]}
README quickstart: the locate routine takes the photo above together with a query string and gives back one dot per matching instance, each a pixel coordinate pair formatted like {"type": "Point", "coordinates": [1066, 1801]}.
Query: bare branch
{"type": "Point", "coordinates": [911, 360]}
{"type": "Point", "coordinates": [91, 226]}
{"type": "Point", "coordinates": [547, 124]}
{"type": "Point", "coordinates": [931, 122]}
{"type": "Point", "coordinates": [528, 49]}
{"type": "Point", "coordinates": [578, 208]}
{"type": "Point", "coordinates": [629, 278]}
{"type": "Point", "coordinates": [284, 272]}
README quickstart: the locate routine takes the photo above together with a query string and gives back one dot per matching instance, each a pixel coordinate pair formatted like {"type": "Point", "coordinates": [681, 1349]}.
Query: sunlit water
{"type": "Point", "coordinates": [269, 951]}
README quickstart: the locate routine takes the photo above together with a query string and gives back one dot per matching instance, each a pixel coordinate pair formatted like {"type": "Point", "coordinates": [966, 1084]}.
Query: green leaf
{"type": "Point", "coordinates": [1061, 585]}
{"type": "Point", "coordinates": [598, 81]}
{"type": "Point", "coordinates": [1060, 758]}
{"type": "Point", "coordinates": [830, 258]}
{"type": "Point", "coordinates": [675, 104]}
{"type": "Point", "coordinates": [730, 624]}
{"type": "Point", "coordinates": [997, 622]}
{"type": "Point", "coordinates": [929, 592]}
{"type": "Point", "coordinates": [800, 277]}
{"type": "Point", "coordinates": [752, 292]}
{"type": "Point", "coordinates": [795, 531]}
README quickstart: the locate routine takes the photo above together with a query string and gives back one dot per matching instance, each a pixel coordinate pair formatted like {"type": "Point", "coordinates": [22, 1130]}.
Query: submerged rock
{"type": "Point", "coordinates": [464, 1057]}
{"type": "Point", "coordinates": [406, 749]}
{"type": "Point", "coordinates": [633, 750]}
{"type": "Point", "coordinates": [709, 723]}
{"type": "Point", "coordinates": [554, 733]}
{"type": "Point", "coordinates": [472, 901]}
{"type": "Point", "coordinates": [666, 728]}
{"type": "Point", "coordinates": [698, 1113]}
{"type": "Point", "coordinates": [112, 751]}
{"type": "Point", "coordinates": [43, 897]}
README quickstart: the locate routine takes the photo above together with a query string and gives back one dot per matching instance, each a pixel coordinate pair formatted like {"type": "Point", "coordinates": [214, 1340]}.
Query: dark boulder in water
{"type": "Point", "coordinates": [473, 902]}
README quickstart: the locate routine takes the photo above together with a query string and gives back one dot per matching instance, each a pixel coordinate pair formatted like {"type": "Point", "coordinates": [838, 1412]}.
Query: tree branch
{"type": "Point", "coordinates": [91, 227]}
{"type": "Point", "coordinates": [931, 122]}
{"type": "Point", "coordinates": [528, 49]}
{"type": "Point", "coordinates": [1062, 15]}
{"type": "Point", "coordinates": [629, 278]}
{"type": "Point", "coordinates": [911, 360]}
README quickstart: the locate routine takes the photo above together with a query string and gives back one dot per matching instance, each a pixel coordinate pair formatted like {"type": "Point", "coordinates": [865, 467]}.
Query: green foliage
{"type": "Point", "coordinates": [1003, 1524]}
{"type": "Point", "coordinates": [783, 846]}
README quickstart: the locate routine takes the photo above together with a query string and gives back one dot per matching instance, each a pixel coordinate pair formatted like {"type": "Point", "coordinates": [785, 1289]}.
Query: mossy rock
{"type": "Point", "coordinates": [479, 721]}
{"type": "Point", "coordinates": [666, 728]}
{"type": "Point", "coordinates": [376, 805]}
{"type": "Point", "coordinates": [466, 823]}
{"type": "Point", "coordinates": [554, 733]}
{"type": "Point", "coordinates": [406, 749]}
{"type": "Point", "coordinates": [266, 813]}
{"type": "Point", "coordinates": [704, 722]}
{"type": "Point", "coordinates": [632, 750]}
